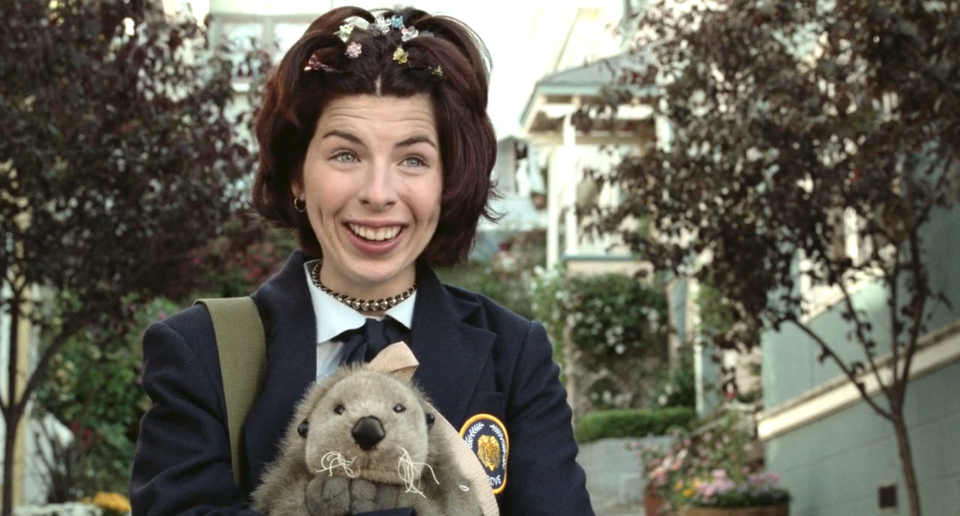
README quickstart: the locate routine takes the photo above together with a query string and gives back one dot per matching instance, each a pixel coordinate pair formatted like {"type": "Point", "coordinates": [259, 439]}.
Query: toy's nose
{"type": "Point", "coordinates": [368, 432]}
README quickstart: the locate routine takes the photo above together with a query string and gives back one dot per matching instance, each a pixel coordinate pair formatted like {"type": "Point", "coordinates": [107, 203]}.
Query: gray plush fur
{"type": "Point", "coordinates": [294, 486]}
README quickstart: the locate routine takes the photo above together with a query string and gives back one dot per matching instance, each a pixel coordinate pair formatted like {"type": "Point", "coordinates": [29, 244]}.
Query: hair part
{"type": "Point", "coordinates": [295, 98]}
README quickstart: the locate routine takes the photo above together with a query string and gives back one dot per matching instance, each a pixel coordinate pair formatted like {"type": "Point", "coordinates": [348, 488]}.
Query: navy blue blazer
{"type": "Point", "coordinates": [476, 357]}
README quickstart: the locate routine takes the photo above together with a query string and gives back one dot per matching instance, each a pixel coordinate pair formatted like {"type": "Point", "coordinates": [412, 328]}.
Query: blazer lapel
{"type": "Point", "coordinates": [452, 353]}
{"type": "Point", "coordinates": [291, 336]}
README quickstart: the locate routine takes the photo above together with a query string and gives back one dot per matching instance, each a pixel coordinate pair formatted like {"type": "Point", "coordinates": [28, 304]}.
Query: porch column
{"type": "Point", "coordinates": [570, 180]}
{"type": "Point", "coordinates": [553, 209]}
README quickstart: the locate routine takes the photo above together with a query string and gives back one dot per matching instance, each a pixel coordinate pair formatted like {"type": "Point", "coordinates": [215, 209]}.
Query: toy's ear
{"type": "Point", "coordinates": [430, 420]}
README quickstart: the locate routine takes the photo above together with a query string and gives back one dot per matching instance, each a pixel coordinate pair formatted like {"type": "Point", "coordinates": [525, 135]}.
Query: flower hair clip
{"type": "Point", "coordinates": [353, 50]}
{"type": "Point", "coordinates": [437, 71]}
{"type": "Point", "coordinates": [380, 26]}
{"type": "Point", "coordinates": [400, 55]}
{"type": "Point", "coordinates": [396, 22]}
{"type": "Point", "coordinates": [345, 31]}
{"type": "Point", "coordinates": [408, 33]}
{"type": "Point", "coordinates": [314, 64]}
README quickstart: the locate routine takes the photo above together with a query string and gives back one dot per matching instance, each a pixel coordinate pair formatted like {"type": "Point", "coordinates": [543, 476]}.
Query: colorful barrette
{"type": "Point", "coordinates": [345, 30]}
{"type": "Point", "coordinates": [314, 64]}
{"type": "Point", "coordinates": [400, 55]}
{"type": "Point", "coordinates": [353, 50]}
{"type": "Point", "coordinates": [380, 26]}
{"type": "Point", "coordinates": [436, 70]}
{"type": "Point", "coordinates": [408, 33]}
{"type": "Point", "coordinates": [397, 22]}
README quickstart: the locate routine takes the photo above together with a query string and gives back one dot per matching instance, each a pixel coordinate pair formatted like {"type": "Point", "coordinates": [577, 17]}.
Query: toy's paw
{"type": "Point", "coordinates": [368, 496]}
{"type": "Point", "coordinates": [328, 496]}
{"type": "Point", "coordinates": [337, 496]}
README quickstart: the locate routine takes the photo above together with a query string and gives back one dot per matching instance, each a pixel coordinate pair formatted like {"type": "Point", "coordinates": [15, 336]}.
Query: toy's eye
{"type": "Point", "coordinates": [338, 409]}
{"type": "Point", "coordinates": [398, 408]}
{"type": "Point", "coordinates": [430, 420]}
{"type": "Point", "coordinates": [303, 427]}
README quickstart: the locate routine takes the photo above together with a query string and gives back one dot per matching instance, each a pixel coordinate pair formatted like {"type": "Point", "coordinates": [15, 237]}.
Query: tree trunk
{"type": "Point", "coordinates": [906, 458]}
{"type": "Point", "coordinates": [11, 419]}
{"type": "Point", "coordinates": [11, 412]}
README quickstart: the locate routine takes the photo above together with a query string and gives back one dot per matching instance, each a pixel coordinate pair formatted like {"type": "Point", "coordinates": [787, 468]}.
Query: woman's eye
{"type": "Point", "coordinates": [414, 161]}
{"type": "Point", "coordinates": [344, 157]}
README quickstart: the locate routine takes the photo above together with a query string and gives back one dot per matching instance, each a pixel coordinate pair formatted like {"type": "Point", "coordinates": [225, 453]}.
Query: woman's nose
{"type": "Point", "coordinates": [379, 190]}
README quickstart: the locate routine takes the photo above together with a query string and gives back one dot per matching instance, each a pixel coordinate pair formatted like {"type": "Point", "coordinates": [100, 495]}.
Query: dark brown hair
{"type": "Point", "coordinates": [295, 98]}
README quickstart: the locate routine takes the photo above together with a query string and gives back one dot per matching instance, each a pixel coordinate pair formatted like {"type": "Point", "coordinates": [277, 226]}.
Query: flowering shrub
{"type": "Point", "coordinates": [92, 387]}
{"type": "Point", "coordinates": [611, 331]}
{"type": "Point", "coordinates": [677, 386]}
{"type": "Point", "coordinates": [719, 490]}
{"type": "Point", "coordinates": [708, 469]}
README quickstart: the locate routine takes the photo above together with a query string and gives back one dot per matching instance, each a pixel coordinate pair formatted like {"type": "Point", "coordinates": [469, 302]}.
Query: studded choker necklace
{"type": "Point", "coordinates": [361, 305]}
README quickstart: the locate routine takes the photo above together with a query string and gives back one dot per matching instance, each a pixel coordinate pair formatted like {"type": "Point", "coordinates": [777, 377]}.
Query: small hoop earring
{"type": "Point", "coordinates": [300, 207]}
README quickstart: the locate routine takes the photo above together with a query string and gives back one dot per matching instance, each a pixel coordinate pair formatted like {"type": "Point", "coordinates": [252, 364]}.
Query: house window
{"type": "Point", "coordinates": [241, 38]}
{"type": "Point", "coordinates": [285, 35]}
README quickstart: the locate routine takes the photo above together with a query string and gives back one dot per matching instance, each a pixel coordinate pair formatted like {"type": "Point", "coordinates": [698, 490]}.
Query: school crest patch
{"type": "Point", "coordinates": [487, 438]}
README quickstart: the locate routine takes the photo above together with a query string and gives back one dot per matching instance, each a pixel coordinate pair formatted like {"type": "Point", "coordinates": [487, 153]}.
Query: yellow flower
{"type": "Point", "coordinates": [400, 55]}
{"type": "Point", "coordinates": [115, 502]}
{"type": "Point", "coordinates": [688, 492]}
{"type": "Point", "coordinates": [679, 485]}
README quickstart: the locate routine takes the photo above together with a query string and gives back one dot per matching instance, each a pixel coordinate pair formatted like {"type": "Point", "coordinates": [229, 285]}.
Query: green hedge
{"type": "Point", "coordinates": [632, 423]}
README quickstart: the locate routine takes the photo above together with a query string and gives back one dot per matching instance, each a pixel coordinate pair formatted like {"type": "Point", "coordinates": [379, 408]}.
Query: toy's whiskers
{"type": "Point", "coordinates": [409, 472]}
{"type": "Point", "coordinates": [334, 460]}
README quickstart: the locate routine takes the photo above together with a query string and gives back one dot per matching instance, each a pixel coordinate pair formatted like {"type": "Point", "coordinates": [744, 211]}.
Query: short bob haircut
{"type": "Point", "coordinates": [295, 97]}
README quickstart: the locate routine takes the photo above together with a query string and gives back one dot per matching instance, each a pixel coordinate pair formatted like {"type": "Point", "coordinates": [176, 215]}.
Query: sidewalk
{"type": "Point", "coordinates": [613, 477]}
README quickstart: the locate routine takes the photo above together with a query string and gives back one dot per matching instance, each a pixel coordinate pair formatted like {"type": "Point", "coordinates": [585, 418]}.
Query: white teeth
{"type": "Point", "coordinates": [376, 235]}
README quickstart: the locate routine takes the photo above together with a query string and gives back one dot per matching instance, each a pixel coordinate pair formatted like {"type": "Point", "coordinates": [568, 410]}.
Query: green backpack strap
{"type": "Point", "coordinates": [242, 350]}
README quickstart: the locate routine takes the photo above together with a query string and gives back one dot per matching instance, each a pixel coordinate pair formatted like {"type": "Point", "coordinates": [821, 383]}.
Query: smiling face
{"type": "Point", "coordinates": [372, 182]}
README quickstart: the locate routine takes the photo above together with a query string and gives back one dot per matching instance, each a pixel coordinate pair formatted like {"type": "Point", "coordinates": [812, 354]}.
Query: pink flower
{"type": "Point", "coordinates": [353, 50]}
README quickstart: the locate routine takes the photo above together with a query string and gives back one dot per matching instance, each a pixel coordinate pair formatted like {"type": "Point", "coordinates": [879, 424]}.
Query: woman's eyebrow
{"type": "Point", "coordinates": [413, 140]}
{"type": "Point", "coordinates": [350, 137]}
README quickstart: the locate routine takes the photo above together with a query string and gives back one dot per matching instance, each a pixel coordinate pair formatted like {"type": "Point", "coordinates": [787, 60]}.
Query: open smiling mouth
{"type": "Point", "coordinates": [375, 234]}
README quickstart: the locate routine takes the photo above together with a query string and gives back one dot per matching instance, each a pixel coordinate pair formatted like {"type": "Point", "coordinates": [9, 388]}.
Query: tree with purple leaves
{"type": "Point", "coordinates": [810, 146]}
{"type": "Point", "coordinates": [120, 157]}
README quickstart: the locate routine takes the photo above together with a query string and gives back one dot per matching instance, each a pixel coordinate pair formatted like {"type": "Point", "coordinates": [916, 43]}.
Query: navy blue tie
{"type": "Point", "coordinates": [363, 343]}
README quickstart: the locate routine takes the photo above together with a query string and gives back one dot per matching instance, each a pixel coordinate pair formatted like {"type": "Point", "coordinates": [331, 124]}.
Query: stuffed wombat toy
{"type": "Point", "coordinates": [361, 441]}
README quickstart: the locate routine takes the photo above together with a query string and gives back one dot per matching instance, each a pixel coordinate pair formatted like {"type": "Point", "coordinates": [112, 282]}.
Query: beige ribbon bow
{"type": "Point", "coordinates": [398, 359]}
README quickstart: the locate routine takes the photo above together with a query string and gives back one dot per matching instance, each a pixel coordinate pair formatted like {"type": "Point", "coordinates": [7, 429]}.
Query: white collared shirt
{"type": "Point", "coordinates": [334, 318]}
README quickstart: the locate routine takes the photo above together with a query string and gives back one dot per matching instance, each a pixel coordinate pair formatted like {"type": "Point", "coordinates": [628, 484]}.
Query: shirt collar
{"type": "Point", "coordinates": [334, 317]}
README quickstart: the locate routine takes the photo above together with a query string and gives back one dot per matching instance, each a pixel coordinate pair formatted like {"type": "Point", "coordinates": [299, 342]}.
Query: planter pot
{"type": "Point", "coordinates": [653, 505]}
{"type": "Point", "coordinates": [773, 510]}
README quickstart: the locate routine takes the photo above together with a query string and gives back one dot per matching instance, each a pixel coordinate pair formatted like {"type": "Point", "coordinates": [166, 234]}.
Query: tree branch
{"type": "Point", "coordinates": [843, 367]}
{"type": "Point", "coordinates": [65, 333]}
{"type": "Point", "coordinates": [893, 302]}
{"type": "Point", "coordinates": [921, 291]}
{"type": "Point", "coordinates": [859, 327]}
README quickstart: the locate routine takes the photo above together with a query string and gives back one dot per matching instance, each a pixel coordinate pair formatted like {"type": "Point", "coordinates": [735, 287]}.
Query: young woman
{"type": "Point", "coordinates": [377, 151]}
